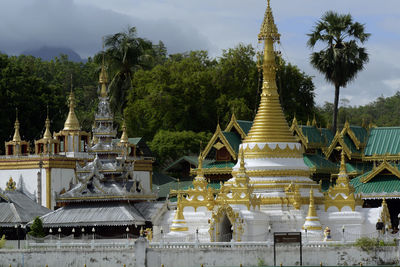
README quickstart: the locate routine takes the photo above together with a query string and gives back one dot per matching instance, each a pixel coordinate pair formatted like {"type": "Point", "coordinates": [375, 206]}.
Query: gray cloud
{"type": "Point", "coordinates": [81, 27]}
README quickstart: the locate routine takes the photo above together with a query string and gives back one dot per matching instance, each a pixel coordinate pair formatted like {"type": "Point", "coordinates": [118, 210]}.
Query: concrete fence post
{"type": "Point", "coordinates": [140, 251]}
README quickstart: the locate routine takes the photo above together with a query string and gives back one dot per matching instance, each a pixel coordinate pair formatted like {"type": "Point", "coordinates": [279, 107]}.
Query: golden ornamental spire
{"type": "Point", "coordinates": [314, 122]}
{"type": "Point", "coordinates": [47, 133]}
{"type": "Point", "coordinates": [179, 223]}
{"type": "Point", "coordinates": [269, 124]}
{"type": "Point", "coordinates": [71, 123]}
{"type": "Point", "coordinates": [103, 77]}
{"type": "Point", "coordinates": [17, 136]}
{"type": "Point", "coordinates": [124, 136]}
{"type": "Point", "coordinates": [311, 209]}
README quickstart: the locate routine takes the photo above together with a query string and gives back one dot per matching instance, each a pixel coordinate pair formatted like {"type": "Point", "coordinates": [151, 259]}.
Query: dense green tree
{"type": "Point", "coordinates": [342, 58]}
{"type": "Point", "coordinates": [37, 228]}
{"type": "Point", "coordinates": [168, 145]}
{"type": "Point", "coordinates": [126, 53]}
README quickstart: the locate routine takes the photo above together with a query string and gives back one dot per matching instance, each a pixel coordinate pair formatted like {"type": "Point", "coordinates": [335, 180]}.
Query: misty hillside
{"type": "Point", "coordinates": [48, 53]}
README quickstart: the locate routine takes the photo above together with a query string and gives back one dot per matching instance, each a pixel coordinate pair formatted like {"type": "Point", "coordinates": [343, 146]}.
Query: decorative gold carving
{"type": "Point", "coordinates": [277, 152]}
{"type": "Point", "coordinates": [312, 221]}
{"type": "Point", "coordinates": [385, 215]}
{"type": "Point", "coordinates": [342, 193]}
{"type": "Point", "coordinates": [218, 145]}
{"type": "Point", "coordinates": [293, 193]}
{"type": "Point", "coordinates": [234, 219]}
{"type": "Point", "coordinates": [10, 185]}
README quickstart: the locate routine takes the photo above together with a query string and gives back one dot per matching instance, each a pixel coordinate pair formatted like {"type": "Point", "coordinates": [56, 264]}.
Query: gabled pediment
{"type": "Point", "coordinates": [218, 141]}
{"type": "Point", "coordinates": [383, 167]}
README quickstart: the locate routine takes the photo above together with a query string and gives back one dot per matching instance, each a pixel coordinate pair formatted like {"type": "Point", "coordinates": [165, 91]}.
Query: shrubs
{"type": "Point", "coordinates": [37, 228]}
{"type": "Point", "coordinates": [367, 243]}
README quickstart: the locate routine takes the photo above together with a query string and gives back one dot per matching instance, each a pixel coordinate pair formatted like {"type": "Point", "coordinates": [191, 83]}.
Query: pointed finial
{"type": "Point", "coordinates": [268, 27]}
{"type": "Point", "coordinates": [294, 122]}
{"type": "Point", "coordinates": [17, 136]}
{"type": "Point", "coordinates": [47, 133]}
{"type": "Point", "coordinates": [124, 136]}
{"type": "Point", "coordinates": [314, 121]}
{"type": "Point", "coordinates": [311, 209]}
{"type": "Point", "coordinates": [200, 161]}
{"type": "Point", "coordinates": [308, 122]}
{"type": "Point", "coordinates": [71, 123]}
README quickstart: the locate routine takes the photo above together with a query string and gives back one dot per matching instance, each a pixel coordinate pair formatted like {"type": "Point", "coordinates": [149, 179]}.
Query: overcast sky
{"type": "Point", "coordinates": [211, 25]}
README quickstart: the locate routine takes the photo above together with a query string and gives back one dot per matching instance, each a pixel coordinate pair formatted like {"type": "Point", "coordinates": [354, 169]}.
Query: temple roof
{"type": "Point", "coordinates": [383, 141]}
{"type": "Point", "coordinates": [320, 164]}
{"type": "Point", "coordinates": [102, 214]}
{"type": "Point", "coordinates": [387, 186]}
{"type": "Point", "coordinates": [16, 207]}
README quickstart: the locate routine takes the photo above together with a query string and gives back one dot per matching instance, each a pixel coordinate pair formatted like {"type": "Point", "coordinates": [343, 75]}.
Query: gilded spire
{"type": "Point", "coordinates": [124, 136]}
{"type": "Point", "coordinates": [103, 78]}
{"type": "Point", "coordinates": [314, 122]}
{"type": "Point", "coordinates": [16, 137]}
{"type": "Point", "coordinates": [269, 124]}
{"type": "Point", "coordinates": [311, 209]}
{"type": "Point", "coordinates": [47, 133]}
{"type": "Point", "coordinates": [179, 223]}
{"type": "Point", "coordinates": [72, 123]}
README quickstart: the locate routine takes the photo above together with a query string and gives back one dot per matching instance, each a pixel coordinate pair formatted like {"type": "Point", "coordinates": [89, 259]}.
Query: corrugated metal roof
{"type": "Point", "coordinates": [321, 164]}
{"type": "Point", "coordinates": [379, 185]}
{"type": "Point", "coordinates": [327, 135]}
{"type": "Point", "coordinates": [159, 178]}
{"type": "Point", "coordinates": [245, 125]}
{"type": "Point", "coordinates": [233, 139]}
{"type": "Point", "coordinates": [350, 144]}
{"type": "Point", "coordinates": [383, 140]}
{"type": "Point", "coordinates": [313, 134]}
{"type": "Point", "coordinates": [191, 159]}
{"type": "Point", "coordinates": [359, 167]}
{"type": "Point", "coordinates": [94, 214]}
{"type": "Point", "coordinates": [360, 132]}
{"type": "Point", "coordinates": [18, 208]}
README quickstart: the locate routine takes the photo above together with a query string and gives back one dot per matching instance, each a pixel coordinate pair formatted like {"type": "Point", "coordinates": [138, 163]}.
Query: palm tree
{"type": "Point", "coordinates": [125, 53]}
{"type": "Point", "coordinates": [342, 58]}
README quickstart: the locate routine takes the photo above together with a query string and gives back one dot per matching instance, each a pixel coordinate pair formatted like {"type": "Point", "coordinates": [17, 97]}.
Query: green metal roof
{"type": "Point", "coordinates": [159, 178]}
{"type": "Point", "coordinates": [351, 145]}
{"type": "Point", "coordinates": [359, 167]}
{"type": "Point", "coordinates": [191, 159]}
{"type": "Point", "coordinates": [233, 139]}
{"type": "Point", "coordinates": [360, 132]}
{"type": "Point", "coordinates": [327, 135]}
{"type": "Point", "coordinates": [379, 185]}
{"type": "Point", "coordinates": [220, 164]}
{"type": "Point", "coordinates": [383, 140]}
{"type": "Point", "coordinates": [320, 163]}
{"type": "Point", "coordinates": [325, 185]}
{"type": "Point", "coordinates": [245, 125]}
{"type": "Point", "coordinates": [313, 134]}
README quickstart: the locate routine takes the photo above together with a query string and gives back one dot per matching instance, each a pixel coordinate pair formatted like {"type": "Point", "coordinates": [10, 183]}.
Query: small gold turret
{"type": "Point", "coordinates": [103, 80]}
{"type": "Point", "coordinates": [47, 134]}
{"type": "Point", "coordinates": [124, 136]}
{"type": "Point", "coordinates": [16, 137]}
{"type": "Point", "coordinates": [179, 223]}
{"type": "Point", "coordinates": [269, 124]}
{"type": "Point", "coordinates": [312, 222]}
{"type": "Point", "coordinates": [314, 122]}
{"type": "Point", "coordinates": [71, 123]}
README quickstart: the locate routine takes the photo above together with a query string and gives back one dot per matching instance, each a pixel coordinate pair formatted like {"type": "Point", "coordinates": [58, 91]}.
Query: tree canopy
{"type": "Point", "coordinates": [342, 58]}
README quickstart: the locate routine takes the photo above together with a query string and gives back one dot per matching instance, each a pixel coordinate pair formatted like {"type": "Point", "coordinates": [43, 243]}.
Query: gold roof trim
{"type": "Point", "coordinates": [295, 129]}
{"type": "Point", "coordinates": [218, 134]}
{"type": "Point", "coordinates": [269, 124]}
{"type": "Point", "coordinates": [234, 124]}
{"type": "Point", "coordinates": [338, 139]}
{"type": "Point", "coordinates": [383, 166]}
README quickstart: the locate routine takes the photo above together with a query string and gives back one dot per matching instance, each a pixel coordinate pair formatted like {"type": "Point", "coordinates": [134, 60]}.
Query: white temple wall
{"type": "Point", "coordinates": [144, 178]}
{"type": "Point", "coordinates": [60, 179]}
{"type": "Point", "coordinates": [29, 177]}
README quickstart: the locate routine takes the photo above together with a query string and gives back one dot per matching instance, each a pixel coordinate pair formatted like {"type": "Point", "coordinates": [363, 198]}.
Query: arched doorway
{"type": "Point", "coordinates": [225, 225]}
{"type": "Point", "coordinates": [225, 230]}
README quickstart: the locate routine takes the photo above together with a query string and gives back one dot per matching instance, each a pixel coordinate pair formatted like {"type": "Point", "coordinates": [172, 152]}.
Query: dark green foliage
{"type": "Point", "coordinates": [342, 58]}
{"type": "Point", "coordinates": [168, 145]}
{"type": "Point", "coordinates": [193, 92]}
{"type": "Point", "coordinates": [382, 112]}
{"type": "Point", "coordinates": [37, 228]}
{"type": "Point", "coordinates": [29, 84]}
